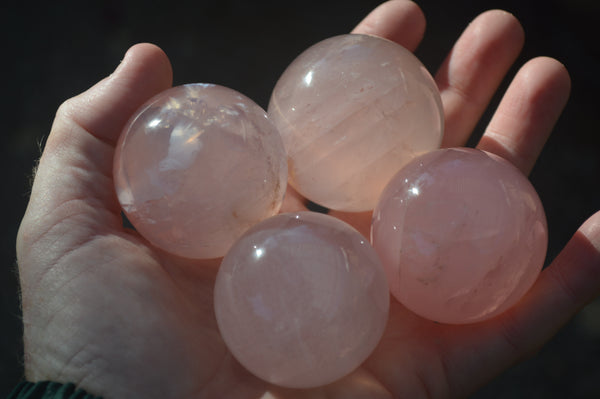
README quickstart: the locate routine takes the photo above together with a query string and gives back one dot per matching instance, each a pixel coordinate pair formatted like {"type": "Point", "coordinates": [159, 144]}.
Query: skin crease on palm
{"type": "Point", "coordinates": [103, 309]}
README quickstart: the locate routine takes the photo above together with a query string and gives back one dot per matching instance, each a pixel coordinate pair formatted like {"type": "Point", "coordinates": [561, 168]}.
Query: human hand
{"type": "Point", "coordinates": [105, 310]}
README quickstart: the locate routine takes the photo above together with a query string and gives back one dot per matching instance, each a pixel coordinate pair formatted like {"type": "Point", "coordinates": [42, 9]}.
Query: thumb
{"type": "Point", "coordinates": [103, 110]}
{"type": "Point", "coordinates": [73, 187]}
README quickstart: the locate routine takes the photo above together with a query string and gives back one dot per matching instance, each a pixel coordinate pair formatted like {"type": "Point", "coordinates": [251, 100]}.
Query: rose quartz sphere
{"type": "Point", "coordinates": [462, 235]}
{"type": "Point", "coordinates": [301, 299]}
{"type": "Point", "coordinates": [352, 110]}
{"type": "Point", "coordinates": [196, 166]}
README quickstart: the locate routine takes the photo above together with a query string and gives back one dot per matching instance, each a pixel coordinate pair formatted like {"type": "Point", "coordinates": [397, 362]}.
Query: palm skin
{"type": "Point", "coordinates": [105, 310]}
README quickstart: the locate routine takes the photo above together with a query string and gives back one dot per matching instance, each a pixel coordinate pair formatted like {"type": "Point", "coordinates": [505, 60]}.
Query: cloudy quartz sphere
{"type": "Point", "coordinates": [462, 235]}
{"type": "Point", "coordinates": [301, 299]}
{"type": "Point", "coordinates": [196, 166]}
{"type": "Point", "coordinates": [352, 110]}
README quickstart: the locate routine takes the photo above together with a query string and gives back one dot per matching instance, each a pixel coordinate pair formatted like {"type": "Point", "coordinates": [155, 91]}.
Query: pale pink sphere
{"type": "Point", "coordinates": [462, 235]}
{"type": "Point", "coordinates": [352, 110]}
{"type": "Point", "coordinates": [196, 166]}
{"type": "Point", "coordinates": [301, 299]}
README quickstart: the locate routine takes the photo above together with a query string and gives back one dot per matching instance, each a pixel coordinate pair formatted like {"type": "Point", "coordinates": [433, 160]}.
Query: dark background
{"type": "Point", "coordinates": [54, 50]}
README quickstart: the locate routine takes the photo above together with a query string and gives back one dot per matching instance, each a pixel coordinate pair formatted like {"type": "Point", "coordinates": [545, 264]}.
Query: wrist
{"type": "Point", "coordinates": [49, 390]}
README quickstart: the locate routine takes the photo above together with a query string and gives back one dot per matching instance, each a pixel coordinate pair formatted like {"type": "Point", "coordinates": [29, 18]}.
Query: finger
{"type": "Point", "coordinates": [528, 112]}
{"type": "Point", "coordinates": [401, 21]}
{"type": "Point", "coordinates": [87, 126]}
{"type": "Point", "coordinates": [474, 69]}
{"type": "Point", "coordinates": [105, 108]}
{"type": "Point", "coordinates": [479, 352]}
{"type": "Point", "coordinates": [569, 283]}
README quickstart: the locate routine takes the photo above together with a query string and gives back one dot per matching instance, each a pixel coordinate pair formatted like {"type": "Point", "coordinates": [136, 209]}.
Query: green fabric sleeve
{"type": "Point", "coordinates": [49, 390]}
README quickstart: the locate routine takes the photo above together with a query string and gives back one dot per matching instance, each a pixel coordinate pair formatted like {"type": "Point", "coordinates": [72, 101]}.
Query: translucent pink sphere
{"type": "Point", "coordinates": [462, 235]}
{"type": "Point", "coordinates": [352, 110]}
{"type": "Point", "coordinates": [196, 166]}
{"type": "Point", "coordinates": [301, 299]}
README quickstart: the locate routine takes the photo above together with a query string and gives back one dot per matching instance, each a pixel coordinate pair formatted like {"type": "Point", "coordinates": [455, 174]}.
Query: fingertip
{"type": "Point", "coordinates": [505, 20]}
{"type": "Point", "coordinates": [591, 231]}
{"type": "Point", "coordinates": [550, 76]}
{"type": "Point", "coordinates": [104, 109]}
{"type": "Point", "coordinates": [401, 21]}
{"type": "Point", "coordinates": [142, 55]}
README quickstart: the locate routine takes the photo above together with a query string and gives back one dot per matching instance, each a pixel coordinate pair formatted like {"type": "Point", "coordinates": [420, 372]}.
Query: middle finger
{"type": "Point", "coordinates": [474, 69]}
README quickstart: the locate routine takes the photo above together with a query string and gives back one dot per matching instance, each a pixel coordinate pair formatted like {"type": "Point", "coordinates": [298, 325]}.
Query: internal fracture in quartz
{"type": "Point", "coordinates": [462, 235]}
{"type": "Point", "coordinates": [196, 166]}
{"type": "Point", "coordinates": [301, 299]}
{"type": "Point", "coordinates": [352, 110]}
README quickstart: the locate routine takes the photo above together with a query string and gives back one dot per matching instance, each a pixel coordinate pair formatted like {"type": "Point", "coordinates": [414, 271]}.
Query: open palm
{"type": "Point", "coordinates": [103, 309]}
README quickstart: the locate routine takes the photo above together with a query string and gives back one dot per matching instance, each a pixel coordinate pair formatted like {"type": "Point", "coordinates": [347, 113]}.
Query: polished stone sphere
{"type": "Point", "coordinates": [196, 166]}
{"type": "Point", "coordinates": [462, 235]}
{"type": "Point", "coordinates": [352, 110]}
{"type": "Point", "coordinates": [301, 299]}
